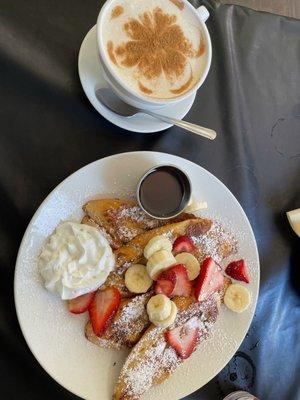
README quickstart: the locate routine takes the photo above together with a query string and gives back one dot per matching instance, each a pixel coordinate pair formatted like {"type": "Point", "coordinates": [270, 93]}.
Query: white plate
{"type": "Point", "coordinates": [56, 338]}
{"type": "Point", "coordinates": [91, 78]}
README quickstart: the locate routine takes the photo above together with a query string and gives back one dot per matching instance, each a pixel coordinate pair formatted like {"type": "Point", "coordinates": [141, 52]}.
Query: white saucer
{"type": "Point", "coordinates": [91, 77]}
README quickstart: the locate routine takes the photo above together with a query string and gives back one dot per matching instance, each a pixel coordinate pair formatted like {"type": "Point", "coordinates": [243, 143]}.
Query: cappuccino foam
{"type": "Point", "coordinates": [155, 47]}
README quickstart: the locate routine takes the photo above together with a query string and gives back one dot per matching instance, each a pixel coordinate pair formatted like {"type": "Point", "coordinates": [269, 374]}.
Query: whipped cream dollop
{"type": "Point", "coordinates": [76, 259]}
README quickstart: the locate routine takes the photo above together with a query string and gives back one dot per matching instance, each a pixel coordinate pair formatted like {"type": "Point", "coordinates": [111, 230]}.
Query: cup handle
{"type": "Point", "coordinates": [203, 13]}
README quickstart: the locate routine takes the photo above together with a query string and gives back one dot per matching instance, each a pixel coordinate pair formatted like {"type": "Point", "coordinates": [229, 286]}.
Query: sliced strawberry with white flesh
{"type": "Point", "coordinates": [81, 303]}
{"type": "Point", "coordinates": [183, 244]}
{"type": "Point", "coordinates": [210, 279]}
{"type": "Point", "coordinates": [238, 270]}
{"type": "Point", "coordinates": [183, 285]}
{"type": "Point", "coordinates": [103, 308]}
{"type": "Point", "coordinates": [184, 338]}
{"type": "Point", "coordinates": [165, 287]}
{"type": "Point", "coordinates": [177, 275]}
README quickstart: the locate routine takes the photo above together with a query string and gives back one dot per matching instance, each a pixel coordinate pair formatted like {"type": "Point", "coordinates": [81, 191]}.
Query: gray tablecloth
{"type": "Point", "coordinates": [251, 98]}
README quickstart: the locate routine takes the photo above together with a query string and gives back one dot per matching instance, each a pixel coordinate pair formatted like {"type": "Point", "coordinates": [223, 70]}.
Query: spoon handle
{"type": "Point", "coordinates": [199, 130]}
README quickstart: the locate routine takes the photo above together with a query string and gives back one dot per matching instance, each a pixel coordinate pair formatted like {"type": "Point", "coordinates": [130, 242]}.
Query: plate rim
{"type": "Point", "coordinates": [36, 213]}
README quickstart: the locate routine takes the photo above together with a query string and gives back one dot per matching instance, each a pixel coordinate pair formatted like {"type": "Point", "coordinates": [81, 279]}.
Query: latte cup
{"type": "Point", "coordinates": [134, 97]}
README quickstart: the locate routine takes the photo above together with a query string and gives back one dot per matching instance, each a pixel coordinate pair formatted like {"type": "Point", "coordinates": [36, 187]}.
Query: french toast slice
{"type": "Point", "coordinates": [118, 281]}
{"type": "Point", "coordinates": [127, 326]}
{"type": "Point", "coordinates": [133, 251]}
{"type": "Point", "coordinates": [114, 216]}
{"type": "Point", "coordinates": [153, 360]}
{"type": "Point", "coordinates": [124, 219]}
{"type": "Point", "coordinates": [218, 242]}
{"type": "Point", "coordinates": [114, 243]}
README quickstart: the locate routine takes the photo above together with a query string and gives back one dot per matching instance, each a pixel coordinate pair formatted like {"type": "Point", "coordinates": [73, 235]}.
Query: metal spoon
{"type": "Point", "coordinates": [110, 100]}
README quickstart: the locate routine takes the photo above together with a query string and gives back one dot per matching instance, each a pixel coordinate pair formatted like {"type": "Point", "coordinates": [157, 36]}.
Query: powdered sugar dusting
{"type": "Point", "coordinates": [130, 220]}
{"type": "Point", "coordinates": [153, 359]}
{"type": "Point", "coordinates": [139, 379]}
{"type": "Point", "coordinates": [170, 360]}
{"type": "Point", "coordinates": [128, 326]}
{"type": "Point", "coordinates": [126, 234]}
{"type": "Point", "coordinates": [133, 315]}
{"type": "Point", "coordinates": [217, 243]}
{"type": "Point", "coordinates": [121, 269]}
{"type": "Point", "coordinates": [135, 213]}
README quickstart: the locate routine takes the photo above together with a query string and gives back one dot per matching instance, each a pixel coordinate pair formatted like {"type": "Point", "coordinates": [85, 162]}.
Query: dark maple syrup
{"type": "Point", "coordinates": [164, 191]}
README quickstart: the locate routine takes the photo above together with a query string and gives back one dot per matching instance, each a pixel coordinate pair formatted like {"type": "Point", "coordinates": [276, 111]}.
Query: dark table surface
{"type": "Point", "coordinates": [251, 98]}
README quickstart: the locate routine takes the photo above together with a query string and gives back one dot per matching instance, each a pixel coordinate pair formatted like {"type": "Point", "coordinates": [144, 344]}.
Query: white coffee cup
{"type": "Point", "coordinates": [132, 97]}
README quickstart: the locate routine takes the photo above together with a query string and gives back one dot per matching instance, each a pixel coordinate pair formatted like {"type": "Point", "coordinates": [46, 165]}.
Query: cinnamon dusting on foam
{"type": "Point", "coordinates": [116, 12]}
{"type": "Point", "coordinates": [110, 51]}
{"type": "Point", "coordinates": [184, 87]}
{"type": "Point", "coordinates": [178, 3]}
{"type": "Point", "coordinates": [158, 45]}
{"type": "Point", "coordinates": [144, 89]}
{"type": "Point", "coordinates": [154, 49]}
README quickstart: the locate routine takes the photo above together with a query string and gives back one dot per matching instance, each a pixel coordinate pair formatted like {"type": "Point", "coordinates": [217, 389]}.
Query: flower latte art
{"type": "Point", "coordinates": [156, 47]}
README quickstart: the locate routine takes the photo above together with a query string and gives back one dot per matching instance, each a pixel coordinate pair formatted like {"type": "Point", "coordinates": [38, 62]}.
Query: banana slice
{"type": "Point", "coordinates": [159, 307]}
{"type": "Point", "coordinates": [158, 262]}
{"type": "Point", "coordinates": [170, 319]}
{"type": "Point", "coordinates": [195, 205]}
{"type": "Point", "coordinates": [191, 263]}
{"type": "Point", "coordinates": [294, 220]}
{"type": "Point", "coordinates": [137, 279]}
{"type": "Point", "coordinates": [237, 297]}
{"type": "Point", "coordinates": [157, 243]}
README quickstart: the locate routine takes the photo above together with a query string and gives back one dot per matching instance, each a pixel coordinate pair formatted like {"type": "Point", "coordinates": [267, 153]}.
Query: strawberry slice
{"type": "Point", "coordinates": [210, 279]}
{"type": "Point", "coordinates": [238, 270]}
{"type": "Point", "coordinates": [183, 244]}
{"type": "Point", "coordinates": [183, 286]}
{"type": "Point", "coordinates": [165, 286]}
{"type": "Point", "coordinates": [184, 338]}
{"type": "Point", "coordinates": [103, 308]}
{"type": "Point", "coordinates": [178, 279]}
{"type": "Point", "coordinates": [82, 303]}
